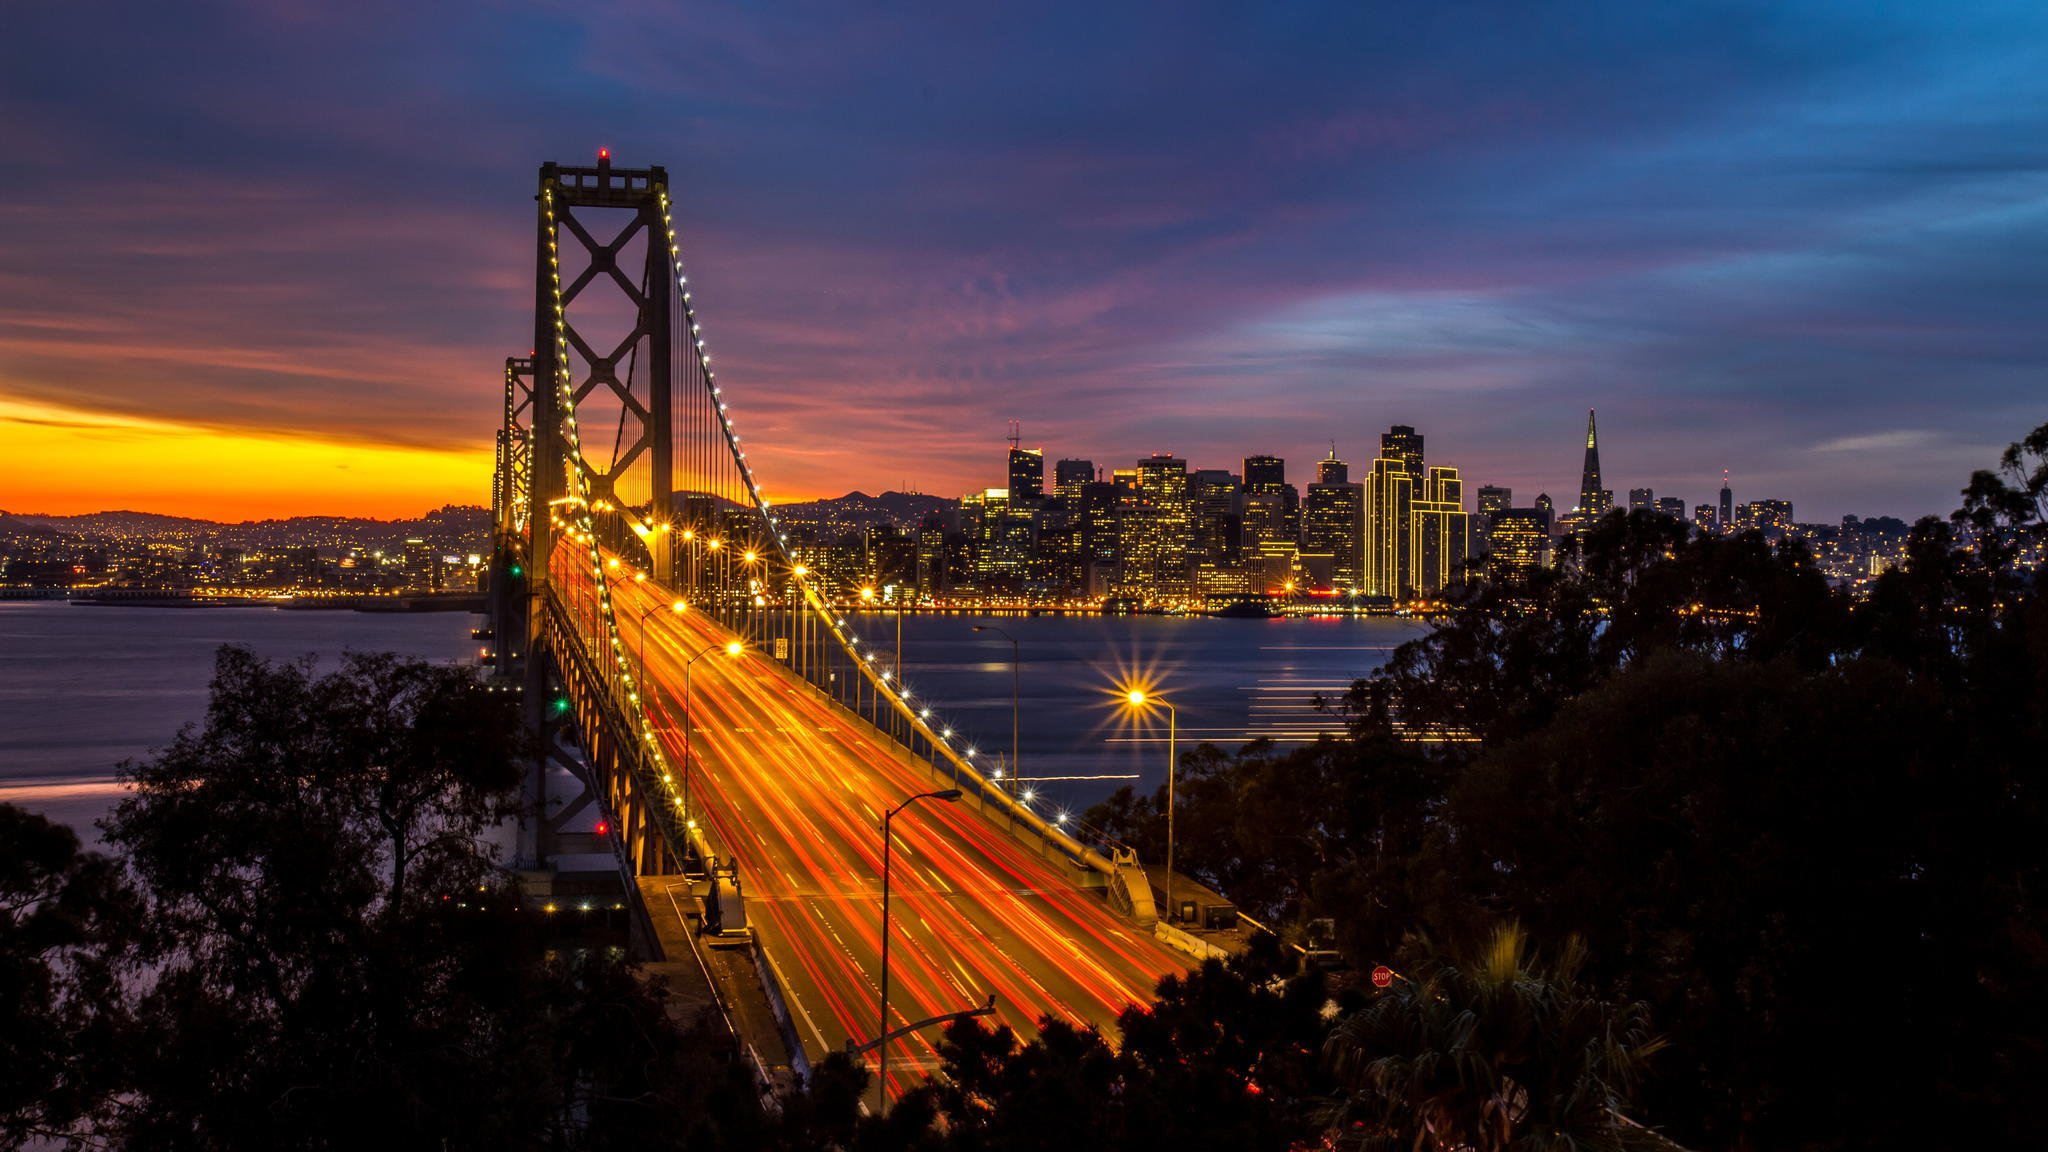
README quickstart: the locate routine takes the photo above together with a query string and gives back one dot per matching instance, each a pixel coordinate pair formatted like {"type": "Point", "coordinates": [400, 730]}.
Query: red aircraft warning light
{"type": "Point", "coordinates": [603, 154]}
{"type": "Point", "coordinates": [604, 827]}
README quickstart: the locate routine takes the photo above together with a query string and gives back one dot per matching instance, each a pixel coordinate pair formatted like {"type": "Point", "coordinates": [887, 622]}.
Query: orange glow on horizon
{"type": "Point", "coordinates": [62, 461]}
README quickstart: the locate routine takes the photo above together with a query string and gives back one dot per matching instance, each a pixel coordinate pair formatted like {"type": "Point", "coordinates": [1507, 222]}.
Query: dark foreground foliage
{"type": "Point", "coordinates": [1805, 831]}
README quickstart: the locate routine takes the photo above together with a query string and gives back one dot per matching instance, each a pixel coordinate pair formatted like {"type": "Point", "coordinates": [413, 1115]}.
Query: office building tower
{"type": "Point", "coordinates": [1706, 519]}
{"type": "Point", "coordinates": [1272, 509]}
{"type": "Point", "coordinates": [1671, 506]}
{"type": "Point", "coordinates": [1333, 526]}
{"type": "Point", "coordinates": [1330, 470]}
{"type": "Point", "coordinates": [1157, 528]}
{"type": "Point", "coordinates": [1068, 476]}
{"type": "Point", "coordinates": [1439, 531]}
{"type": "Point", "coordinates": [1642, 500]}
{"type": "Point", "coordinates": [1003, 533]}
{"type": "Point", "coordinates": [1101, 536]}
{"type": "Point", "coordinates": [1027, 474]}
{"type": "Point", "coordinates": [1264, 475]}
{"type": "Point", "coordinates": [1406, 443]}
{"type": "Point", "coordinates": [1218, 509]}
{"type": "Point", "coordinates": [1521, 542]}
{"type": "Point", "coordinates": [1389, 508]}
{"type": "Point", "coordinates": [1594, 500]}
{"type": "Point", "coordinates": [1492, 498]}
{"type": "Point", "coordinates": [1772, 516]}
{"type": "Point", "coordinates": [1727, 520]}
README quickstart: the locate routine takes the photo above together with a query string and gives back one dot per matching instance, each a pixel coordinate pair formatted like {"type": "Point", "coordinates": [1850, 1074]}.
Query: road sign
{"type": "Point", "coordinates": [782, 647]}
{"type": "Point", "coordinates": [1383, 977]}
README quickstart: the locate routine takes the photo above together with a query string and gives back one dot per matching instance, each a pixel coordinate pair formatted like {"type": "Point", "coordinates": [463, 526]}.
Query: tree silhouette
{"type": "Point", "coordinates": [1500, 1053]}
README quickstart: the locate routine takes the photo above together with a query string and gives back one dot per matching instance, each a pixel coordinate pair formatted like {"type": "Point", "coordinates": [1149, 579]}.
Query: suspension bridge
{"type": "Point", "coordinates": [705, 707]}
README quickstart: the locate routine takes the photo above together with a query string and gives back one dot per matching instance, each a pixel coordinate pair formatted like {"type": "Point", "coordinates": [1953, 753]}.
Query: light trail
{"type": "Point", "coordinates": [791, 785]}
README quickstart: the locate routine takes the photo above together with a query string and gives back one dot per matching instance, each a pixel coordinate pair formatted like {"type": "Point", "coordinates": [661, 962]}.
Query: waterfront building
{"type": "Point", "coordinates": [1389, 510]}
{"type": "Point", "coordinates": [1157, 530]}
{"type": "Point", "coordinates": [1333, 525]}
{"type": "Point", "coordinates": [1439, 531]}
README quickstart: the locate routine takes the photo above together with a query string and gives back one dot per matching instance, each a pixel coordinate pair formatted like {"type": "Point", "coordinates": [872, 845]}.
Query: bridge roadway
{"type": "Point", "coordinates": [796, 789]}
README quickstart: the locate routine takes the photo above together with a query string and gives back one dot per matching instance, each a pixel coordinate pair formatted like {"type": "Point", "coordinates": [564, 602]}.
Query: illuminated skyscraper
{"type": "Point", "coordinates": [1069, 475]}
{"type": "Point", "coordinates": [1727, 522]}
{"type": "Point", "coordinates": [1333, 524]}
{"type": "Point", "coordinates": [1389, 508]}
{"type": "Point", "coordinates": [1521, 542]}
{"type": "Point", "coordinates": [1406, 443]}
{"type": "Point", "coordinates": [1594, 500]}
{"type": "Point", "coordinates": [1027, 474]}
{"type": "Point", "coordinates": [1671, 506]}
{"type": "Point", "coordinates": [1330, 470]}
{"type": "Point", "coordinates": [1492, 499]}
{"type": "Point", "coordinates": [1439, 533]}
{"type": "Point", "coordinates": [1157, 528]}
{"type": "Point", "coordinates": [1642, 500]}
{"type": "Point", "coordinates": [1272, 510]}
{"type": "Point", "coordinates": [1218, 509]}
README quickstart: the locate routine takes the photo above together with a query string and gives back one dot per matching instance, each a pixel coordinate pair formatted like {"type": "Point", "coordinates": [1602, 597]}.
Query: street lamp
{"type": "Point", "coordinates": [1016, 684]}
{"type": "Point", "coordinates": [1139, 700]}
{"type": "Point", "coordinates": [882, 1034]}
{"type": "Point", "coordinates": [678, 608]}
{"type": "Point", "coordinates": [730, 648]}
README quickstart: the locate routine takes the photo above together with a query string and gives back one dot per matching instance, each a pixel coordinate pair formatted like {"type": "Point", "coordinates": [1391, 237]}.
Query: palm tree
{"type": "Point", "coordinates": [1507, 1054]}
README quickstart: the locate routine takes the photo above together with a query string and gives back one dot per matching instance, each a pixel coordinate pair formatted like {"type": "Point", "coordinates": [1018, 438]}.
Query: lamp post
{"type": "Point", "coordinates": [730, 648]}
{"type": "Point", "coordinates": [1016, 685]}
{"type": "Point", "coordinates": [882, 1033]}
{"type": "Point", "coordinates": [678, 608]}
{"type": "Point", "coordinates": [1139, 699]}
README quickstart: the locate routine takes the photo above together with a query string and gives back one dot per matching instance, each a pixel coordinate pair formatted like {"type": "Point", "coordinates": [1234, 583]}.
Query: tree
{"type": "Point", "coordinates": [66, 919]}
{"type": "Point", "coordinates": [335, 961]}
{"type": "Point", "coordinates": [1502, 1053]}
{"type": "Point", "coordinates": [1227, 1058]}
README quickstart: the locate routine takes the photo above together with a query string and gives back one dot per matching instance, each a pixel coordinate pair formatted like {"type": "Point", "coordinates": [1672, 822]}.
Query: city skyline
{"type": "Point", "coordinates": [1794, 242]}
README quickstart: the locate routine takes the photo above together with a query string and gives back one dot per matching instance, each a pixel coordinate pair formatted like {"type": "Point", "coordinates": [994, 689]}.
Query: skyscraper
{"type": "Point", "coordinates": [1389, 507]}
{"type": "Point", "coordinates": [1218, 510]}
{"type": "Point", "coordinates": [1492, 499]}
{"type": "Point", "coordinates": [1333, 523]}
{"type": "Point", "coordinates": [1671, 506]}
{"type": "Point", "coordinates": [1642, 500]}
{"type": "Point", "coordinates": [1157, 529]}
{"type": "Point", "coordinates": [1330, 470]}
{"type": "Point", "coordinates": [1068, 476]}
{"type": "Point", "coordinates": [1727, 504]}
{"type": "Point", "coordinates": [1027, 474]}
{"type": "Point", "coordinates": [1594, 500]}
{"type": "Point", "coordinates": [1439, 541]}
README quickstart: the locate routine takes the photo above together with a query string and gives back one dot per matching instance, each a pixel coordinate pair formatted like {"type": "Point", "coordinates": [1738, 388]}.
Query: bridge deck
{"type": "Point", "coordinates": [796, 788]}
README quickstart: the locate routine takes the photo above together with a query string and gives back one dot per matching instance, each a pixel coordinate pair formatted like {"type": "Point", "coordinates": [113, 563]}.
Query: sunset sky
{"type": "Point", "coordinates": [267, 258]}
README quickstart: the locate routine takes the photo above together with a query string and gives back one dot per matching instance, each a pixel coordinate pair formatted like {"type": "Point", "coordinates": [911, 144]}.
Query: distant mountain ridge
{"type": "Point", "coordinates": [460, 516]}
{"type": "Point", "coordinates": [857, 511]}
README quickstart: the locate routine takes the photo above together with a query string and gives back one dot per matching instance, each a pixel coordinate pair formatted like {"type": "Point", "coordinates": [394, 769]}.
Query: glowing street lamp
{"type": "Point", "coordinates": [678, 607]}
{"type": "Point", "coordinates": [882, 1034]}
{"type": "Point", "coordinates": [733, 649]}
{"type": "Point", "coordinates": [1139, 700]}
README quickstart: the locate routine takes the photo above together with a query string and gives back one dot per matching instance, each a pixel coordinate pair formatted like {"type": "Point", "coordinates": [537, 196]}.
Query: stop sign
{"type": "Point", "coordinates": [1383, 977]}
